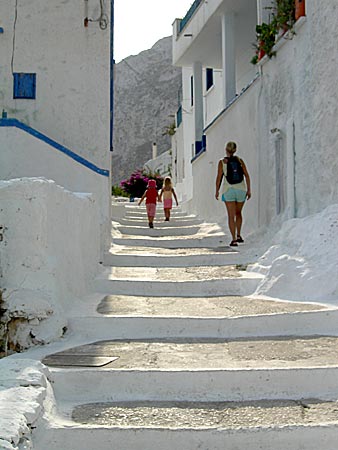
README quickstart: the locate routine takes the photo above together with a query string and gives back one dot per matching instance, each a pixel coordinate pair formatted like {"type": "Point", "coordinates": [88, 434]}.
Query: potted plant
{"type": "Point", "coordinates": [282, 20]}
{"type": "Point", "coordinates": [300, 8]}
{"type": "Point", "coordinates": [285, 14]}
{"type": "Point", "coordinates": [266, 38]}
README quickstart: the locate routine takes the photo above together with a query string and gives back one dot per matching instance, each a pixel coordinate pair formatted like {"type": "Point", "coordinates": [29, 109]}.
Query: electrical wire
{"type": "Point", "coordinates": [103, 18]}
{"type": "Point", "coordinates": [14, 32]}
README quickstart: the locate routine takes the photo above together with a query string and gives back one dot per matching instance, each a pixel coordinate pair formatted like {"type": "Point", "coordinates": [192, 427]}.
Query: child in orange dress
{"type": "Point", "coordinates": [167, 193]}
{"type": "Point", "coordinates": [151, 196]}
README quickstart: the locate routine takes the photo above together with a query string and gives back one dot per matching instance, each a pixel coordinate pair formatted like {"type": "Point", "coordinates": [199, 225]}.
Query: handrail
{"type": "Point", "coordinates": [42, 137]}
{"type": "Point", "coordinates": [189, 14]}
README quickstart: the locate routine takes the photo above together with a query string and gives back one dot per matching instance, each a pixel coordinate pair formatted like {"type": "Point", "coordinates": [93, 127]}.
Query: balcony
{"type": "Point", "coordinates": [189, 14]}
{"type": "Point", "coordinates": [198, 36]}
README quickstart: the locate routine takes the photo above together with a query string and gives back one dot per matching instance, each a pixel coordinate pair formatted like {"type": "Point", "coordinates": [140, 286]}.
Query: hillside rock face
{"type": "Point", "coordinates": [146, 88]}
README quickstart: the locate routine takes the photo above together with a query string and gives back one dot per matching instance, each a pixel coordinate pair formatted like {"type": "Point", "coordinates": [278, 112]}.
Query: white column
{"type": "Point", "coordinates": [154, 150]}
{"type": "Point", "coordinates": [229, 57]}
{"type": "Point", "coordinates": [198, 100]}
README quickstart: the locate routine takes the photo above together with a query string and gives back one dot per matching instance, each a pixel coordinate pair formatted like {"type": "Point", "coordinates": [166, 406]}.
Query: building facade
{"type": "Point", "coordinates": [55, 94]}
{"type": "Point", "coordinates": [279, 111]}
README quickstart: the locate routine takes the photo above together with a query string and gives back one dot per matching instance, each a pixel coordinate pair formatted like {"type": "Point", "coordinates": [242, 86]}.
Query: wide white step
{"type": "Point", "coordinates": [171, 281]}
{"type": "Point", "coordinates": [292, 437]}
{"type": "Point", "coordinates": [136, 220]}
{"type": "Point", "coordinates": [174, 242]}
{"type": "Point", "coordinates": [125, 256]}
{"type": "Point", "coordinates": [197, 370]}
{"type": "Point", "coordinates": [144, 230]}
{"type": "Point", "coordinates": [144, 318]}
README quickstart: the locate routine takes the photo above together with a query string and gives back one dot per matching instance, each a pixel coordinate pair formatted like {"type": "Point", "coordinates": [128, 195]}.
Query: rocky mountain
{"type": "Point", "coordinates": [146, 89]}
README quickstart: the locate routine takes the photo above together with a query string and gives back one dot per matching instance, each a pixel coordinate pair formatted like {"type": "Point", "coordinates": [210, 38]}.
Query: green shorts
{"type": "Point", "coordinates": [234, 195]}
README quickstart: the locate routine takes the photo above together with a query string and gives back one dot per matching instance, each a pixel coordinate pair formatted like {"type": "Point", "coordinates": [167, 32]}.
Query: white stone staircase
{"type": "Point", "coordinates": [192, 359]}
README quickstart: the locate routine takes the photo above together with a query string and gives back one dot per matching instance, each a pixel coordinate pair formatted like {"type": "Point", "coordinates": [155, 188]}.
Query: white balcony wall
{"type": "Point", "coordinates": [213, 101]}
{"type": "Point", "coordinates": [188, 116]}
{"type": "Point", "coordinates": [201, 38]}
{"type": "Point", "coordinates": [237, 124]}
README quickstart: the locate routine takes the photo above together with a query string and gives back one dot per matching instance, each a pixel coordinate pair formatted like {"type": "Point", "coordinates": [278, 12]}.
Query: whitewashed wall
{"type": "Point", "coordinates": [72, 66]}
{"type": "Point", "coordinates": [23, 155]}
{"type": "Point", "coordinates": [296, 99]}
{"type": "Point", "coordinates": [213, 101]}
{"type": "Point", "coordinates": [162, 163]}
{"type": "Point", "coordinates": [229, 128]}
{"type": "Point", "coordinates": [49, 254]}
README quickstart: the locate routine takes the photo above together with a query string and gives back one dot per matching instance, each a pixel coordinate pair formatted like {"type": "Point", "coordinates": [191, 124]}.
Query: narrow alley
{"type": "Point", "coordinates": [180, 355]}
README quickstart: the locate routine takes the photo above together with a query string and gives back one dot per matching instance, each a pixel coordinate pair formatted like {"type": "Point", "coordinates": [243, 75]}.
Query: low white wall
{"type": "Point", "coordinates": [161, 164]}
{"type": "Point", "coordinates": [49, 253]}
{"type": "Point", "coordinates": [23, 155]}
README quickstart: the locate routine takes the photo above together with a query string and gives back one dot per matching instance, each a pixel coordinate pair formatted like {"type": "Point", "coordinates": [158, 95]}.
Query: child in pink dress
{"type": "Point", "coordinates": [151, 196]}
{"type": "Point", "coordinates": [167, 193]}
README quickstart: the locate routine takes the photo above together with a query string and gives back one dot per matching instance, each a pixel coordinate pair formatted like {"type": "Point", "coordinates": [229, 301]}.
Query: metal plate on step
{"type": "Point", "coordinates": [78, 360]}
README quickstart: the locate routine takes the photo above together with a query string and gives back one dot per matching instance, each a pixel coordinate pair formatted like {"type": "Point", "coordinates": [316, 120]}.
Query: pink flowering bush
{"type": "Point", "coordinates": [136, 184]}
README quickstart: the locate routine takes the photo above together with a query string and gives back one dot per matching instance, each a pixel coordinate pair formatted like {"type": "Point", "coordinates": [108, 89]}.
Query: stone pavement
{"type": "Point", "coordinates": [180, 355]}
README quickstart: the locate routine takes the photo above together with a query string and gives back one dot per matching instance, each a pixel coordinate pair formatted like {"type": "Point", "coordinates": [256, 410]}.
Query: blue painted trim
{"type": "Point", "coordinates": [17, 124]}
{"type": "Point", "coordinates": [1, 30]}
{"type": "Point", "coordinates": [198, 155]}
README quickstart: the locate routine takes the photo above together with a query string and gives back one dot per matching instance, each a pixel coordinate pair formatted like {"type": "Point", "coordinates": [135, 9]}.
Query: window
{"type": "Point", "coordinates": [192, 90]}
{"type": "Point", "coordinates": [24, 85]}
{"type": "Point", "coordinates": [209, 78]}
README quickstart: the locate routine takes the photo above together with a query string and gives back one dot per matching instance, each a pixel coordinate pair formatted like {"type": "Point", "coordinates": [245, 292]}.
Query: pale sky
{"type": "Point", "coordinates": [139, 24]}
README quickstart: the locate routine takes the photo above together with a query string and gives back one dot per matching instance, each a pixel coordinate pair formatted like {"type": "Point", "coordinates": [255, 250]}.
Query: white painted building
{"type": "Point", "coordinates": [281, 112]}
{"type": "Point", "coordinates": [55, 159]}
{"type": "Point", "coordinates": [55, 84]}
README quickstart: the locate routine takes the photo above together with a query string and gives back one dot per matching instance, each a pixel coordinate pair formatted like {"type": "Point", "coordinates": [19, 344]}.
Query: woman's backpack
{"type": "Point", "coordinates": [235, 173]}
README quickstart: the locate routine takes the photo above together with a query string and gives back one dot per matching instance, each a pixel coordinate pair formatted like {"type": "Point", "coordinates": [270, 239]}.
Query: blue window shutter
{"type": "Point", "coordinates": [24, 85]}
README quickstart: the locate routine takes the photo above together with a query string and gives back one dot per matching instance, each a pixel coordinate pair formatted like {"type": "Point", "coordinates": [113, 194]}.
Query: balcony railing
{"type": "Point", "coordinates": [189, 14]}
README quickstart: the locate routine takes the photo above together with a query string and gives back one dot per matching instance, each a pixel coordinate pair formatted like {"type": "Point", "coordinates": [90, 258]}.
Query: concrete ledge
{"type": "Point", "coordinates": [216, 259]}
{"type": "Point", "coordinates": [227, 286]}
{"type": "Point", "coordinates": [287, 438]}
{"type": "Point", "coordinates": [76, 386]}
{"type": "Point", "coordinates": [285, 324]}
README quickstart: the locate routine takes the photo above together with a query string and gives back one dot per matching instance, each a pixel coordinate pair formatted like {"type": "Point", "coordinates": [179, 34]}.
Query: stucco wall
{"type": "Point", "coordinates": [229, 128]}
{"type": "Point", "coordinates": [23, 155]}
{"type": "Point", "coordinates": [300, 98]}
{"type": "Point", "coordinates": [49, 255]}
{"type": "Point", "coordinates": [72, 66]}
{"type": "Point", "coordinates": [287, 115]}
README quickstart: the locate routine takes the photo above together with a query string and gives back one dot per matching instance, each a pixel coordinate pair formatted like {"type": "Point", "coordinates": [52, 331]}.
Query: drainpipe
{"type": "Point", "coordinates": [112, 63]}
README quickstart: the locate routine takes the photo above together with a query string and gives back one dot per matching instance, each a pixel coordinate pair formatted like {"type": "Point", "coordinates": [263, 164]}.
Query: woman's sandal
{"type": "Point", "coordinates": [233, 244]}
{"type": "Point", "coordinates": [240, 239]}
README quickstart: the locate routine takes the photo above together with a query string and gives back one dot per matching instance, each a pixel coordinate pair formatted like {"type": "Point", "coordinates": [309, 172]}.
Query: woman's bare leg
{"type": "Point", "coordinates": [231, 210]}
{"type": "Point", "coordinates": [239, 219]}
